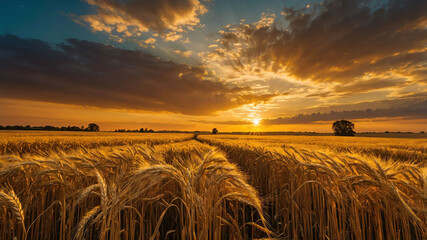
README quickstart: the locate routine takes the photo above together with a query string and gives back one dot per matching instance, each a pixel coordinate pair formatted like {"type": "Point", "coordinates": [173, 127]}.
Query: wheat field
{"type": "Point", "coordinates": [56, 185]}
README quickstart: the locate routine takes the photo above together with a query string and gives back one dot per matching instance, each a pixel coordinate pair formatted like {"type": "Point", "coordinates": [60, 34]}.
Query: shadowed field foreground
{"type": "Point", "coordinates": [166, 186]}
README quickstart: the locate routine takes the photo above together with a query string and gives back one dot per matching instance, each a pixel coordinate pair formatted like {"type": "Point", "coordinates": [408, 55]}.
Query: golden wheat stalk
{"type": "Point", "coordinates": [12, 202]}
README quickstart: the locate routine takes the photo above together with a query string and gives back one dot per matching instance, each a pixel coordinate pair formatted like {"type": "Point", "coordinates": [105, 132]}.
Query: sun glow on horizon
{"type": "Point", "coordinates": [256, 121]}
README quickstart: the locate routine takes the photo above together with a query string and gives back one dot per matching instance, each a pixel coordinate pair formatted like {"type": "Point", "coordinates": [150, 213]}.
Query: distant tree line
{"type": "Point", "coordinates": [421, 132]}
{"type": "Point", "coordinates": [136, 130]}
{"type": "Point", "coordinates": [93, 127]}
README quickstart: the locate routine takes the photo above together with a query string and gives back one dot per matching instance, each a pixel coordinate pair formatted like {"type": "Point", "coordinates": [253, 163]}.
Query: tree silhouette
{"type": "Point", "coordinates": [214, 131]}
{"type": "Point", "coordinates": [343, 128]}
{"type": "Point", "coordinates": [93, 127]}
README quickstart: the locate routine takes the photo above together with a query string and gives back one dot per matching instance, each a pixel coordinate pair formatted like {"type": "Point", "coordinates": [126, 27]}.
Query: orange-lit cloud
{"type": "Point", "coordinates": [183, 53]}
{"type": "Point", "coordinates": [169, 18]}
{"type": "Point", "coordinates": [338, 52]}
{"type": "Point", "coordinates": [330, 60]}
{"type": "Point", "coordinates": [339, 41]}
{"type": "Point", "coordinates": [93, 74]}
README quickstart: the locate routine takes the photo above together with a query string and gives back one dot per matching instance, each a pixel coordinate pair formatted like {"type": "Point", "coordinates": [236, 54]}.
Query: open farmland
{"type": "Point", "coordinates": [394, 149]}
{"type": "Point", "coordinates": [57, 185]}
{"type": "Point", "coordinates": [16, 142]}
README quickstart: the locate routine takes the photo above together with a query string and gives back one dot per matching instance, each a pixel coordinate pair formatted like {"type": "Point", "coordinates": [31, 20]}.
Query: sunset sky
{"type": "Point", "coordinates": [254, 65]}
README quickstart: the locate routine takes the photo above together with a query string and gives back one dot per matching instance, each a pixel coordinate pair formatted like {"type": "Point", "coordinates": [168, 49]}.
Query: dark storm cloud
{"type": "Point", "coordinates": [93, 74]}
{"type": "Point", "coordinates": [408, 108]}
{"type": "Point", "coordinates": [336, 41]}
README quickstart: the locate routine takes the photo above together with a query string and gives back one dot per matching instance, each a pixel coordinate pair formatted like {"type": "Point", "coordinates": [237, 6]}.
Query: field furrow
{"type": "Point", "coordinates": [311, 194]}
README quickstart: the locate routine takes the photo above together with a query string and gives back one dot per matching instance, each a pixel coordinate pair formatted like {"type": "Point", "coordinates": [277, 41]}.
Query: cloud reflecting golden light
{"type": "Point", "coordinates": [124, 19]}
{"type": "Point", "coordinates": [292, 69]}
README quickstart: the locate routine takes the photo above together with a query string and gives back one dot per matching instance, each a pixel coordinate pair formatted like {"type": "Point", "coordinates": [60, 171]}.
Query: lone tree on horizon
{"type": "Point", "coordinates": [343, 128]}
{"type": "Point", "coordinates": [214, 131]}
{"type": "Point", "coordinates": [93, 127]}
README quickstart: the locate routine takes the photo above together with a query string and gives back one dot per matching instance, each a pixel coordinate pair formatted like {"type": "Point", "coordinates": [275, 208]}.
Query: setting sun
{"type": "Point", "coordinates": [256, 121]}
